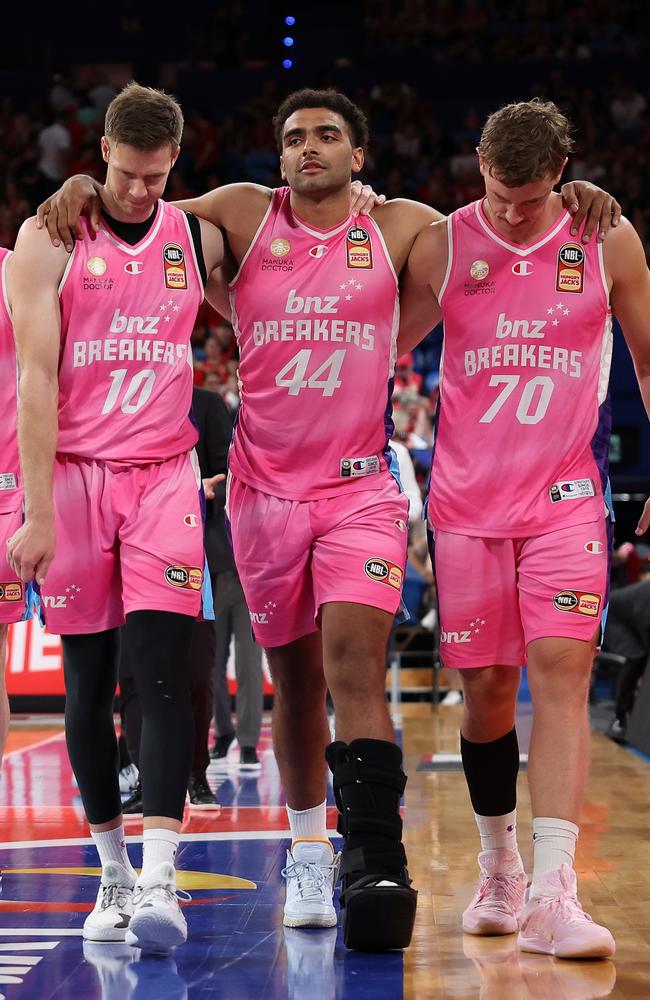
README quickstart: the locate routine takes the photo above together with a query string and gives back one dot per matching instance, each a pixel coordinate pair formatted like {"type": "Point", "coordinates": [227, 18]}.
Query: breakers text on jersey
{"type": "Point", "coordinates": [129, 348]}
{"type": "Point", "coordinates": [524, 355]}
{"type": "Point", "coordinates": [314, 329]}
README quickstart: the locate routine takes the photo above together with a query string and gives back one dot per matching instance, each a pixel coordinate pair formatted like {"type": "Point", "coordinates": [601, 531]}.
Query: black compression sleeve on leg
{"type": "Point", "coordinates": [491, 771]}
{"type": "Point", "coordinates": [159, 644]}
{"type": "Point", "coordinates": [90, 669]}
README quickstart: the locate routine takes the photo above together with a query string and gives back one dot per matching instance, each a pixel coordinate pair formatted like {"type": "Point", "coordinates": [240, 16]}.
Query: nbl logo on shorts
{"type": "Point", "coordinates": [185, 577]}
{"type": "Point", "coordinates": [11, 592]}
{"type": "Point", "coordinates": [383, 571]}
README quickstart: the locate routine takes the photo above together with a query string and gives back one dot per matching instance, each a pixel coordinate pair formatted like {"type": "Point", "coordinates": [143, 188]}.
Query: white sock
{"type": "Point", "coordinates": [308, 824]}
{"type": "Point", "coordinates": [498, 832]}
{"type": "Point", "coordinates": [111, 846]}
{"type": "Point", "coordinates": [554, 844]}
{"type": "Point", "coordinates": [158, 846]}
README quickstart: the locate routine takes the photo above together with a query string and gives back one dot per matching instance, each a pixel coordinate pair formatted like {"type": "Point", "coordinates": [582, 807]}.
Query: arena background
{"type": "Point", "coordinates": [427, 74]}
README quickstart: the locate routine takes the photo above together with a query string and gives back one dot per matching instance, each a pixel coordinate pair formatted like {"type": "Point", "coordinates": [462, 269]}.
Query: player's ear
{"type": "Point", "coordinates": [105, 149]}
{"type": "Point", "coordinates": [358, 159]}
{"type": "Point", "coordinates": [282, 170]}
{"type": "Point", "coordinates": [175, 155]}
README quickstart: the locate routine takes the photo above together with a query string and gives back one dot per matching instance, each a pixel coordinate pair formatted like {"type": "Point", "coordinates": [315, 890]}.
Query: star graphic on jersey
{"type": "Point", "coordinates": [168, 319]}
{"type": "Point", "coordinates": [351, 281]}
{"type": "Point", "coordinates": [566, 312]}
{"type": "Point", "coordinates": [358, 287]}
{"type": "Point", "coordinates": [170, 302]}
{"type": "Point", "coordinates": [269, 606]}
{"type": "Point", "coordinates": [556, 322]}
{"type": "Point", "coordinates": [550, 311]}
{"type": "Point", "coordinates": [163, 307]}
{"type": "Point", "coordinates": [559, 305]}
{"type": "Point", "coordinates": [348, 298]}
{"type": "Point", "coordinates": [343, 287]}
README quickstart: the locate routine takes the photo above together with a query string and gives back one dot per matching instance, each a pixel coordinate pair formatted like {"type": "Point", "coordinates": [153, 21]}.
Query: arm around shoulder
{"type": "Point", "coordinates": [226, 206]}
{"type": "Point", "coordinates": [420, 286]}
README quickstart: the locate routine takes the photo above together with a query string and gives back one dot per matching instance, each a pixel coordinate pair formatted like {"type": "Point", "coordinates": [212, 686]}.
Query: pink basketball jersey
{"type": "Point", "coordinates": [11, 493]}
{"type": "Point", "coordinates": [316, 316]}
{"type": "Point", "coordinates": [523, 423]}
{"type": "Point", "coordinates": [127, 314]}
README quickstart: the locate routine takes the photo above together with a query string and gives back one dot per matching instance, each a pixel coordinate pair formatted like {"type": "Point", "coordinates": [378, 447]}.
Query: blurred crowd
{"type": "Point", "coordinates": [423, 141]}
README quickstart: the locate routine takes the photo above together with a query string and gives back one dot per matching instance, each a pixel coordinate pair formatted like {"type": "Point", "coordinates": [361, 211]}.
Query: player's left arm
{"type": "Point", "coordinates": [586, 201]}
{"type": "Point", "coordinates": [626, 267]}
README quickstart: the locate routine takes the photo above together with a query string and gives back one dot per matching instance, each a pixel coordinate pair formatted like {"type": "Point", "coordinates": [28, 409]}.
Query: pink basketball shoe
{"type": "Point", "coordinates": [496, 907]}
{"type": "Point", "coordinates": [554, 922]}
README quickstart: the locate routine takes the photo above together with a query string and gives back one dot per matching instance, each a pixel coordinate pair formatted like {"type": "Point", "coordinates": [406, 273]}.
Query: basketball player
{"type": "Point", "coordinates": [112, 526]}
{"type": "Point", "coordinates": [15, 596]}
{"type": "Point", "coordinates": [519, 494]}
{"type": "Point", "coordinates": [318, 519]}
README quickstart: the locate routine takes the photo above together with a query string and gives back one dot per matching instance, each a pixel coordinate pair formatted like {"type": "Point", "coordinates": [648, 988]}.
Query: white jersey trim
{"type": "Point", "coordinates": [197, 270]}
{"type": "Point", "coordinates": [148, 240]}
{"type": "Point", "coordinates": [381, 239]}
{"type": "Point", "coordinates": [521, 252]}
{"type": "Point", "coordinates": [450, 258]}
{"type": "Point", "coordinates": [258, 233]}
{"type": "Point", "coordinates": [603, 273]}
{"type": "Point", "coordinates": [68, 268]}
{"type": "Point", "coordinates": [605, 360]}
{"type": "Point", "coordinates": [3, 281]}
{"type": "Point", "coordinates": [320, 234]}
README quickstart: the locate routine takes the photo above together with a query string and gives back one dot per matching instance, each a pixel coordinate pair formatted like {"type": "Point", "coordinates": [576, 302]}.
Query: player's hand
{"type": "Point", "coordinates": [31, 550]}
{"type": "Point", "coordinates": [644, 520]}
{"type": "Point", "coordinates": [588, 202]}
{"type": "Point", "coordinates": [209, 485]}
{"type": "Point", "coordinates": [61, 211]}
{"type": "Point", "coordinates": [364, 199]}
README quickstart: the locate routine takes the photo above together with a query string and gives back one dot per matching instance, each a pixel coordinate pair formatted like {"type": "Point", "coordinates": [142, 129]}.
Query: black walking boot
{"type": "Point", "coordinates": [377, 901]}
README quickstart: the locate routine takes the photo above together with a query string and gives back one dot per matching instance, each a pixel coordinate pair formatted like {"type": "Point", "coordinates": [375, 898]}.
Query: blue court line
{"type": "Point", "coordinates": [638, 753]}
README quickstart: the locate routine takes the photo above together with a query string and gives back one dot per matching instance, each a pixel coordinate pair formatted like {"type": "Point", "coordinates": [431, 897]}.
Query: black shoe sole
{"type": "Point", "coordinates": [378, 918]}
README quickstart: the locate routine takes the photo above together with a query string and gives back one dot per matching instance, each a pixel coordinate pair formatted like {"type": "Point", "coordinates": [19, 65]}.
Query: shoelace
{"type": "Point", "coordinates": [569, 907]}
{"type": "Point", "coordinates": [168, 893]}
{"type": "Point", "coordinates": [115, 895]}
{"type": "Point", "coordinates": [501, 891]}
{"type": "Point", "coordinates": [311, 877]}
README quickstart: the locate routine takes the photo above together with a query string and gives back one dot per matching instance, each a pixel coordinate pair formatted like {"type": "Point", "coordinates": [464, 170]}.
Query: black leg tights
{"type": "Point", "coordinates": [90, 668]}
{"type": "Point", "coordinates": [158, 645]}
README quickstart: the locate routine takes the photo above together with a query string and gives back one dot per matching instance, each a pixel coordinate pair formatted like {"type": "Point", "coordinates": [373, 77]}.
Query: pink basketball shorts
{"type": "Point", "coordinates": [128, 538]}
{"type": "Point", "coordinates": [294, 556]}
{"type": "Point", "coordinates": [495, 595]}
{"type": "Point", "coordinates": [15, 596]}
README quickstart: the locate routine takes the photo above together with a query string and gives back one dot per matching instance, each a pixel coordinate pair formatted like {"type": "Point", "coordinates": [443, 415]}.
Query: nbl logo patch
{"type": "Point", "coordinates": [174, 266]}
{"type": "Point", "coordinates": [11, 592]}
{"type": "Point", "coordinates": [383, 571]}
{"type": "Point", "coordinates": [358, 248]}
{"type": "Point", "coordinates": [578, 602]}
{"type": "Point", "coordinates": [186, 577]}
{"type": "Point", "coordinates": [570, 268]}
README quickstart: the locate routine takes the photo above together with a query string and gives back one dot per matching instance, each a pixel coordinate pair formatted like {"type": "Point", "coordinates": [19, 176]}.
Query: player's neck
{"type": "Point", "coordinates": [526, 235]}
{"type": "Point", "coordinates": [113, 208]}
{"type": "Point", "coordinates": [324, 211]}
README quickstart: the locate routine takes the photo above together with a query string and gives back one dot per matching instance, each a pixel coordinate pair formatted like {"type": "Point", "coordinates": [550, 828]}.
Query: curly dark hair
{"type": "Point", "coordinates": [333, 101]}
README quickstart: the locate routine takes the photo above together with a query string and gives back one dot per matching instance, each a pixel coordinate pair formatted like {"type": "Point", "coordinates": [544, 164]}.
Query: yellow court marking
{"type": "Point", "coordinates": [184, 879]}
